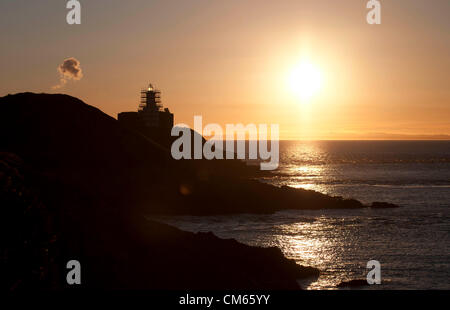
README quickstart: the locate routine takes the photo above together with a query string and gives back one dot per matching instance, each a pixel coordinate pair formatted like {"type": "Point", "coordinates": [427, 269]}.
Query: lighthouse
{"type": "Point", "coordinates": [151, 119]}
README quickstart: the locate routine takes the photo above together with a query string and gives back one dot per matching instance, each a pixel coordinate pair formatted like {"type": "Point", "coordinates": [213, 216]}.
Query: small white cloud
{"type": "Point", "coordinates": [70, 69]}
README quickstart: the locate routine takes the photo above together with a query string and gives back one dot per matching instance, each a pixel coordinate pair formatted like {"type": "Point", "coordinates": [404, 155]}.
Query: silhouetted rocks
{"type": "Point", "coordinates": [40, 237]}
{"type": "Point", "coordinates": [218, 263]}
{"type": "Point", "coordinates": [353, 283]}
{"type": "Point", "coordinates": [75, 184]}
{"type": "Point", "coordinates": [77, 145]}
{"type": "Point", "coordinates": [383, 205]}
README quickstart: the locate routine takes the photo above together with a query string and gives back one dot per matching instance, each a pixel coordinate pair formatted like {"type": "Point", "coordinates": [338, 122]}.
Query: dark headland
{"type": "Point", "coordinates": [76, 184]}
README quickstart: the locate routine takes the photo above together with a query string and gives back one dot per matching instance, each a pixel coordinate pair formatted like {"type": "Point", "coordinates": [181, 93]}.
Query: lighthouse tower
{"type": "Point", "coordinates": [151, 119]}
{"type": "Point", "coordinates": [150, 107]}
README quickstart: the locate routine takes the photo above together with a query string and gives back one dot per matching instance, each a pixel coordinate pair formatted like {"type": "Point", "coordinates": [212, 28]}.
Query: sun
{"type": "Point", "coordinates": [305, 81]}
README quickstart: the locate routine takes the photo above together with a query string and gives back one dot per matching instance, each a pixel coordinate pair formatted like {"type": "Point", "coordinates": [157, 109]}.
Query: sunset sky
{"type": "Point", "coordinates": [232, 61]}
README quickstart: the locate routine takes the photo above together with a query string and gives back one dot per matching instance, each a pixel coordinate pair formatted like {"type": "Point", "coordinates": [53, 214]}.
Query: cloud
{"type": "Point", "coordinates": [70, 69]}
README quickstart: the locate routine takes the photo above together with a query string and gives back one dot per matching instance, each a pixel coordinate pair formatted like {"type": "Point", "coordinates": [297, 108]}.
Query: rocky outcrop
{"type": "Point", "coordinates": [383, 205]}
{"type": "Point", "coordinates": [77, 145]}
{"type": "Point", "coordinates": [353, 283]}
{"type": "Point", "coordinates": [119, 251]}
{"type": "Point", "coordinates": [75, 184]}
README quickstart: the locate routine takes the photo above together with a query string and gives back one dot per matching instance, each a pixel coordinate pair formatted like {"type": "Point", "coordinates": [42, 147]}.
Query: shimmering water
{"type": "Point", "coordinates": [412, 243]}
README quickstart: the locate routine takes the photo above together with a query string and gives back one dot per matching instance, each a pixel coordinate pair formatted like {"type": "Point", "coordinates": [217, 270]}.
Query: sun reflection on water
{"type": "Point", "coordinates": [306, 177]}
{"type": "Point", "coordinates": [303, 242]}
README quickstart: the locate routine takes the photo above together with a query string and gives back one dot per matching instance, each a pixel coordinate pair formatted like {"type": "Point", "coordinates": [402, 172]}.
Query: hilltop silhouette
{"type": "Point", "coordinates": [75, 184]}
{"type": "Point", "coordinates": [80, 146]}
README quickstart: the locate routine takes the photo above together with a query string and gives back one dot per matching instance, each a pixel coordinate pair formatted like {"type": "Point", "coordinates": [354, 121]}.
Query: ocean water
{"type": "Point", "coordinates": [412, 243]}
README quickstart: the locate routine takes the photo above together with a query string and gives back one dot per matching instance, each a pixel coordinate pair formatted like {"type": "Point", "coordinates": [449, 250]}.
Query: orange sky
{"type": "Point", "coordinates": [229, 61]}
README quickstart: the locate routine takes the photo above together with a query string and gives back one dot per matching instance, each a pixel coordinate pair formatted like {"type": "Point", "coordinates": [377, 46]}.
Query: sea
{"type": "Point", "coordinates": [412, 243]}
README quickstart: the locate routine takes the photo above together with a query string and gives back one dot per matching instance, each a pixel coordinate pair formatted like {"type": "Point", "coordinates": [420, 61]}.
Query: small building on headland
{"type": "Point", "coordinates": [151, 119]}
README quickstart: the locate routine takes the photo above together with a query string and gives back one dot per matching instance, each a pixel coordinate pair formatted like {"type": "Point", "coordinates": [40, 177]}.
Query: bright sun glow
{"type": "Point", "coordinates": [305, 81]}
